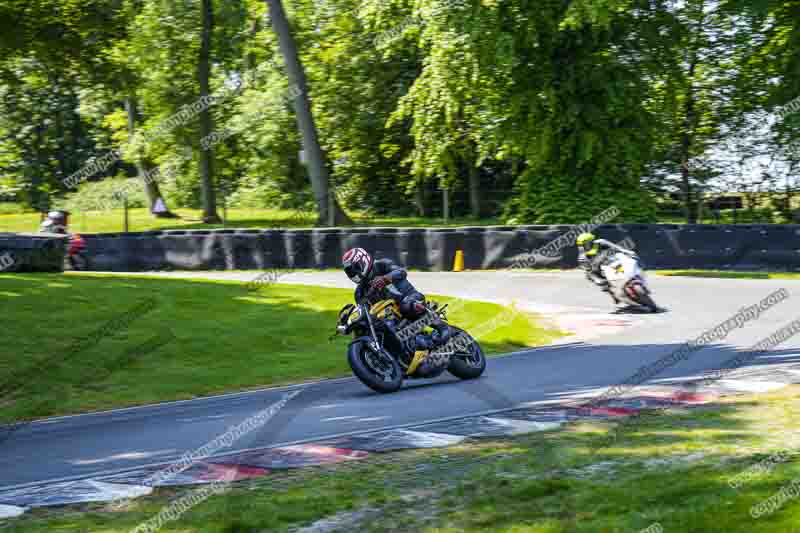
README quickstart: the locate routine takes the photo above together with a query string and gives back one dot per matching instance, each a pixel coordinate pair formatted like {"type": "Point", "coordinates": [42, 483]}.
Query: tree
{"type": "Point", "coordinates": [206, 122]}
{"type": "Point", "coordinates": [151, 187]}
{"type": "Point", "coordinates": [317, 165]}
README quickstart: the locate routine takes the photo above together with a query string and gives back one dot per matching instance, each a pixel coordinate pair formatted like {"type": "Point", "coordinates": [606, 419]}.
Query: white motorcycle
{"type": "Point", "coordinates": [628, 282]}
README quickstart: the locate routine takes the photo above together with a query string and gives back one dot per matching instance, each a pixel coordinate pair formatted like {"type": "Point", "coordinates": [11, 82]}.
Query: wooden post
{"type": "Point", "coordinates": [125, 209]}
{"type": "Point", "coordinates": [331, 207]}
{"type": "Point", "coordinates": [446, 202]}
{"type": "Point", "coordinates": [224, 203]}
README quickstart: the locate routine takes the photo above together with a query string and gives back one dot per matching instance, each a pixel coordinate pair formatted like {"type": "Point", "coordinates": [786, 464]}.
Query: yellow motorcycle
{"type": "Point", "coordinates": [381, 353]}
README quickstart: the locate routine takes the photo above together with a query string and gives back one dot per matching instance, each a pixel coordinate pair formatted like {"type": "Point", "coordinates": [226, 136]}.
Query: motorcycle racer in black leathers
{"type": "Point", "coordinates": [385, 275]}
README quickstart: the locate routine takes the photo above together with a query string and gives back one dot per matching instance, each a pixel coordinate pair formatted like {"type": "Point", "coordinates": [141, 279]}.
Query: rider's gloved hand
{"type": "Point", "coordinates": [380, 282]}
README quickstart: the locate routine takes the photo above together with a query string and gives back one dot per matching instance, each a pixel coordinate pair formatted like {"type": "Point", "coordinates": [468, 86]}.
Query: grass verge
{"type": "Point", "coordinates": [72, 344]}
{"type": "Point", "coordinates": [673, 470]}
{"type": "Point", "coordinates": [112, 221]}
{"type": "Point", "coordinates": [729, 274]}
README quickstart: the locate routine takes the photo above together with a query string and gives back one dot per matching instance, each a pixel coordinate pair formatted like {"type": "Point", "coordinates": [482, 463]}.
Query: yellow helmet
{"type": "Point", "coordinates": [585, 241]}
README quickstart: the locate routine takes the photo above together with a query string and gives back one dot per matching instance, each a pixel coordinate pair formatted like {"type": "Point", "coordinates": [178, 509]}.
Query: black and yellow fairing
{"type": "Point", "coordinates": [385, 310]}
{"type": "Point", "coordinates": [352, 320]}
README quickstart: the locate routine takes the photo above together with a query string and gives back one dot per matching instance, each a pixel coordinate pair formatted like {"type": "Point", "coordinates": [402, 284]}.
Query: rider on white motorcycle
{"type": "Point", "coordinates": [593, 254]}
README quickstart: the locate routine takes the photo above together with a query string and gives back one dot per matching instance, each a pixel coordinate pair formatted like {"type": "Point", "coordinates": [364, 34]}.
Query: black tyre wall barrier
{"type": "Point", "coordinates": [108, 252]}
{"type": "Point", "coordinates": [299, 251]}
{"type": "Point", "coordinates": [772, 247]}
{"type": "Point", "coordinates": [327, 246]}
{"type": "Point", "coordinates": [652, 243]}
{"type": "Point", "coordinates": [272, 249]}
{"type": "Point", "coordinates": [246, 249]}
{"type": "Point", "coordinates": [473, 245]}
{"type": "Point", "coordinates": [146, 253]}
{"type": "Point", "coordinates": [222, 244]}
{"type": "Point", "coordinates": [193, 251]}
{"type": "Point", "coordinates": [382, 245]}
{"type": "Point", "coordinates": [32, 252]}
{"type": "Point", "coordinates": [540, 253]}
{"type": "Point", "coordinates": [503, 246]}
{"type": "Point", "coordinates": [663, 246]}
{"type": "Point", "coordinates": [441, 245]}
{"type": "Point", "coordinates": [411, 249]}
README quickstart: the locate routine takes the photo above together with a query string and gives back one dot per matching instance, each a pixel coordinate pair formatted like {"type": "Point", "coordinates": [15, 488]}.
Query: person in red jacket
{"type": "Point", "coordinates": [57, 222]}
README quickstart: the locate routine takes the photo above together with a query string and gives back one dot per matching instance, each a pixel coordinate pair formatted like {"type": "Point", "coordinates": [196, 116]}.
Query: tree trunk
{"type": "Point", "coordinates": [142, 171]}
{"type": "Point", "coordinates": [315, 157]}
{"type": "Point", "coordinates": [39, 197]}
{"type": "Point", "coordinates": [419, 193]}
{"type": "Point", "coordinates": [690, 120]}
{"type": "Point", "coordinates": [688, 202]}
{"type": "Point", "coordinates": [210, 215]}
{"type": "Point", "coordinates": [686, 147]}
{"type": "Point", "coordinates": [474, 190]}
{"type": "Point", "coordinates": [252, 60]}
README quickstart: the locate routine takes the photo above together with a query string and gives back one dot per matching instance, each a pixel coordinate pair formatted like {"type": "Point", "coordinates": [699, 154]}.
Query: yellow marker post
{"type": "Point", "coordinates": [458, 264]}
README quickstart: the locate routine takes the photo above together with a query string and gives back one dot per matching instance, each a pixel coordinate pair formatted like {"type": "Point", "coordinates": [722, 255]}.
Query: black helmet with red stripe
{"type": "Point", "coordinates": [357, 264]}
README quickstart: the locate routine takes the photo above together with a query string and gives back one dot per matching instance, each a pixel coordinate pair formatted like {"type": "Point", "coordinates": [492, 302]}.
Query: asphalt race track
{"type": "Point", "coordinates": [608, 349]}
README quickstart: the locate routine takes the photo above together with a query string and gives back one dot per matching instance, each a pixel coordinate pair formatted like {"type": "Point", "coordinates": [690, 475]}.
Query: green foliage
{"type": "Point", "coordinates": [565, 107]}
{"type": "Point", "coordinates": [11, 208]}
{"type": "Point", "coordinates": [566, 200]}
{"type": "Point", "coordinates": [103, 195]}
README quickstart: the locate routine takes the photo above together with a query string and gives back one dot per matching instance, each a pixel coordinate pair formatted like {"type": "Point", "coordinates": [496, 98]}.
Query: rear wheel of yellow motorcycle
{"type": "Point", "coordinates": [468, 361]}
{"type": "Point", "coordinates": [379, 372]}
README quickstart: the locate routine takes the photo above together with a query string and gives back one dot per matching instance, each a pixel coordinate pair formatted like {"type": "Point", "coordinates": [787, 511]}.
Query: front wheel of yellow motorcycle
{"type": "Point", "coordinates": [468, 360]}
{"type": "Point", "coordinates": [378, 371]}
